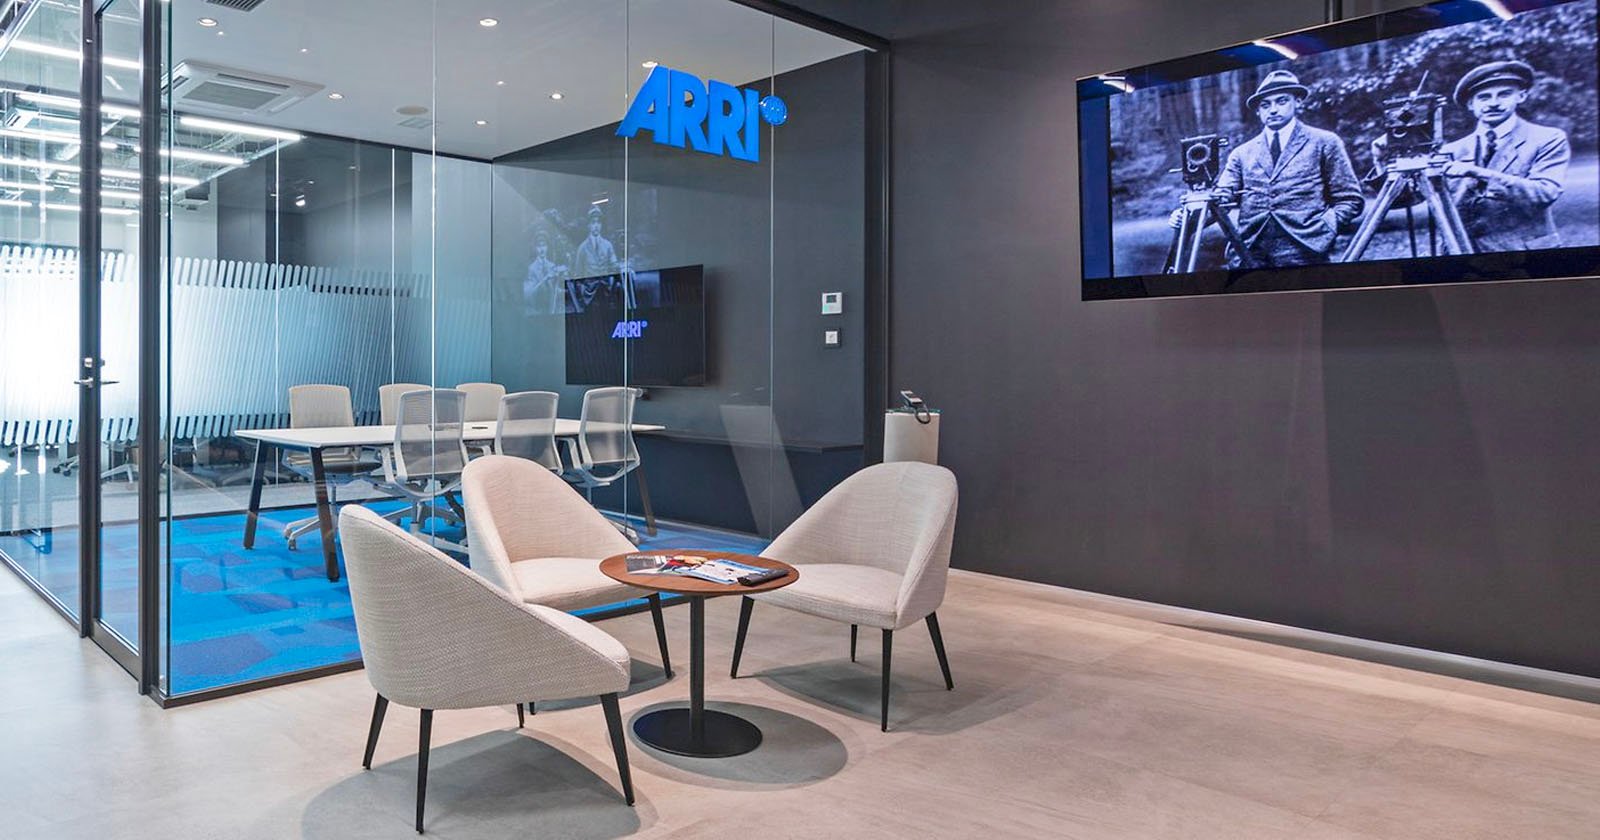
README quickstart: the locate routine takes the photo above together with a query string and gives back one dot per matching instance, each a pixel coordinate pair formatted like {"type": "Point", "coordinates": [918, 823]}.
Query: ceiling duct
{"type": "Point", "coordinates": [239, 5]}
{"type": "Point", "coordinates": [209, 87]}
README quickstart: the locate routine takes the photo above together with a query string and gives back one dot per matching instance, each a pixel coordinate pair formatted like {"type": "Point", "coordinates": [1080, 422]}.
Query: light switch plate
{"type": "Point", "coordinates": [832, 303]}
{"type": "Point", "coordinates": [830, 338]}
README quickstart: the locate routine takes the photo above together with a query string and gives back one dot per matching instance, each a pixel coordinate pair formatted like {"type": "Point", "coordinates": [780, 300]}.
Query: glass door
{"type": "Point", "coordinates": [113, 471]}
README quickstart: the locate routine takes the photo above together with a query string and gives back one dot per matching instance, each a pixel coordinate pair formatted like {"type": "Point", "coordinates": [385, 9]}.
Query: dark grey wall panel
{"type": "Point", "coordinates": [1414, 466]}
{"type": "Point", "coordinates": [772, 237]}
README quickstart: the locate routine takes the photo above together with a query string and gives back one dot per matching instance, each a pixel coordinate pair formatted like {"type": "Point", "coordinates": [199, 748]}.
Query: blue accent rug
{"type": "Point", "coordinates": [237, 615]}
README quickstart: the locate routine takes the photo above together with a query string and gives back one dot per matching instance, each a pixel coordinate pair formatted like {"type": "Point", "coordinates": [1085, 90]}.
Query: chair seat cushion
{"type": "Point", "coordinates": [843, 592]}
{"type": "Point", "coordinates": [569, 583]}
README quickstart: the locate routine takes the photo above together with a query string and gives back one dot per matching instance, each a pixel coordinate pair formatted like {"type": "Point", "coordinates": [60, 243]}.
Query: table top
{"type": "Point", "coordinates": [615, 567]}
{"type": "Point", "coordinates": [325, 437]}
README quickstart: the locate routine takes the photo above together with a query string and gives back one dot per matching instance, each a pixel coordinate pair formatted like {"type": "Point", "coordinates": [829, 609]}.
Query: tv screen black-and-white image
{"type": "Point", "coordinates": [1463, 138]}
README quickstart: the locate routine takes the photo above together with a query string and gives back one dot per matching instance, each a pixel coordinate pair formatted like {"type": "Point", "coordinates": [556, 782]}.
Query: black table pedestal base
{"type": "Point", "coordinates": [723, 735]}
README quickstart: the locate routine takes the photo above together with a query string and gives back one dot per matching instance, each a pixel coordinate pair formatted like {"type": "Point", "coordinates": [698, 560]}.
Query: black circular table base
{"type": "Point", "coordinates": [723, 735]}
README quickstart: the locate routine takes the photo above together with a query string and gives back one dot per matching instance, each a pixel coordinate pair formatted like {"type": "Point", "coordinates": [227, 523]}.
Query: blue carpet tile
{"type": "Point", "coordinates": [238, 615]}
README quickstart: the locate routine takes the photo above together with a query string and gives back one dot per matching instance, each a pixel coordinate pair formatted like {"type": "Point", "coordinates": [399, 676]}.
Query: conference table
{"type": "Point", "coordinates": [315, 440]}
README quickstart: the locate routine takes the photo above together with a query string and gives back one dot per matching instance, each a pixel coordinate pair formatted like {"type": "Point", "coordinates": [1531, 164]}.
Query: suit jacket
{"type": "Point", "coordinates": [1510, 209]}
{"type": "Point", "coordinates": [1311, 192]}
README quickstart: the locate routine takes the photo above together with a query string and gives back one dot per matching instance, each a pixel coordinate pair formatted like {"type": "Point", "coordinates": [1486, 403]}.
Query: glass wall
{"type": "Point", "coordinates": [39, 325]}
{"type": "Point", "coordinates": [470, 215]}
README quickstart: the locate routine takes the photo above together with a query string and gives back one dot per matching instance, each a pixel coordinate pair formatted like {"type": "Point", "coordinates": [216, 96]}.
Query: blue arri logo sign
{"type": "Point", "coordinates": [711, 117]}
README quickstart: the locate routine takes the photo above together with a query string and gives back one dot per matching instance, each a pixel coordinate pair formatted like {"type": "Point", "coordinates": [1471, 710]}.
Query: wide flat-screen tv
{"type": "Point", "coordinates": [1446, 143]}
{"type": "Point", "coordinates": [637, 328]}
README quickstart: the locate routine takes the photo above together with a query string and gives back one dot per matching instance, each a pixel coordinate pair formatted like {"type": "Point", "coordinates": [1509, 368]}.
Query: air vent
{"type": "Point", "coordinates": [416, 122]}
{"type": "Point", "coordinates": [233, 91]}
{"type": "Point", "coordinates": [241, 5]}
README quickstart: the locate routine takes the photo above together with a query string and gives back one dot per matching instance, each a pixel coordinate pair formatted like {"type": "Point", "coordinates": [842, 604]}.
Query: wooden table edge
{"type": "Point", "coordinates": [613, 567]}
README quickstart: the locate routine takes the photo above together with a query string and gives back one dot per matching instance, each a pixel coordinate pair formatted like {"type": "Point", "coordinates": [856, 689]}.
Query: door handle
{"type": "Point", "coordinates": [89, 382]}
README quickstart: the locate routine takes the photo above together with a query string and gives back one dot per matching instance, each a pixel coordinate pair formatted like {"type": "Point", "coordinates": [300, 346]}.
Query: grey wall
{"type": "Point", "coordinates": [1413, 466]}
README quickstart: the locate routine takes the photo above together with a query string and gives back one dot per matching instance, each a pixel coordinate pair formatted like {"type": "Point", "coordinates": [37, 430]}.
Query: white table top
{"type": "Point", "coordinates": [326, 437]}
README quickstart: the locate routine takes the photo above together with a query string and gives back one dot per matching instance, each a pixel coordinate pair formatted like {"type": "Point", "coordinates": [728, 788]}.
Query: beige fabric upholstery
{"type": "Point", "coordinates": [875, 550]}
{"type": "Point", "coordinates": [537, 538]}
{"type": "Point", "coordinates": [568, 583]}
{"type": "Point", "coordinates": [437, 636]}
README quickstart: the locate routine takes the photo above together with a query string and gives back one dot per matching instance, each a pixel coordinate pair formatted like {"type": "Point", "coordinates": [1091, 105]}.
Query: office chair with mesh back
{"type": "Point", "coordinates": [388, 410]}
{"type": "Point", "coordinates": [526, 428]}
{"type": "Point", "coordinates": [603, 451]}
{"type": "Point", "coordinates": [318, 406]}
{"type": "Point", "coordinates": [389, 400]}
{"type": "Point", "coordinates": [428, 455]}
{"type": "Point", "coordinates": [483, 406]}
{"type": "Point", "coordinates": [483, 400]}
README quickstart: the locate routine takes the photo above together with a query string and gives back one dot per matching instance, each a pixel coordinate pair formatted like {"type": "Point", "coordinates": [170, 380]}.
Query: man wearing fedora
{"type": "Point", "coordinates": [1295, 185]}
{"type": "Point", "coordinates": [1508, 171]}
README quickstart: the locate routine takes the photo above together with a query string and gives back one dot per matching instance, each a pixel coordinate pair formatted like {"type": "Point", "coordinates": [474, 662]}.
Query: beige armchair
{"type": "Point", "coordinates": [531, 534]}
{"type": "Point", "coordinates": [435, 635]}
{"type": "Point", "coordinates": [874, 551]}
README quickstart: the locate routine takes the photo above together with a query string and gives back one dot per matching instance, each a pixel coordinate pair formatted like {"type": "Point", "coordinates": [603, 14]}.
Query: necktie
{"type": "Point", "coordinates": [1488, 147]}
{"type": "Point", "coordinates": [1277, 148]}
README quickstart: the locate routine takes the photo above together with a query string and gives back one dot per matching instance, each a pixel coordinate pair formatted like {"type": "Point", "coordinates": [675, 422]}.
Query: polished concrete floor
{"type": "Point", "coordinates": [1073, 716]}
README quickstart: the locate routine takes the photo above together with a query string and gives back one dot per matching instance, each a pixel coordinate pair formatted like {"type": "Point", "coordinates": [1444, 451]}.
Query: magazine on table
{"type": "Point", "coordinates": [716, 570]}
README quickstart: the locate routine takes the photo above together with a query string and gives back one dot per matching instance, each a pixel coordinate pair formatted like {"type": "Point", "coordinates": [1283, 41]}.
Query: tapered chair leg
{"type": "Point", "coordinates": [661, 633]}
{"type": "Point", "coordinates": [619, 743]}
{"type": "Point", "coordinates": [423, 739]}
{"type": "Point", "coordinates": [853, 629]}
{"type": "Point", "coordinates": [746, 604]}
{"type": "Point", "coordinates": [531, 709]}
{"type": "Point", "coordinates": [378, 708]}
{"type": "Point", "coordinates": [938, 648]}
{"type": "Point", "coordinates": [888, 645]}
{"type": "Point", "coordinates": [521, 721]}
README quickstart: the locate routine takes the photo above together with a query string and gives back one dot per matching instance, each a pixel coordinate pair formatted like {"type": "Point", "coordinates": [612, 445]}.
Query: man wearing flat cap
{"type": "Point", "coordinates": [1508, 171]}
{"type": "Point", "coordinates": [1294, 183]}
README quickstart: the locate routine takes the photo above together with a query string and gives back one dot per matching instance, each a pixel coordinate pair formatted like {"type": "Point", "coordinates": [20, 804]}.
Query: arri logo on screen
{"type": "Point", "coordinates": [629, 329]}
{"type": "Point", "coordinates": [711, 117]}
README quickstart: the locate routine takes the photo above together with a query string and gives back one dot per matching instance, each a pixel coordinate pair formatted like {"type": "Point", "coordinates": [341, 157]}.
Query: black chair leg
{"type": "Point", "coordinates": [853, 629]}
{"type": "Point", "coordinates": [938, 648]}
{"type": "Point", "coordinates": [661, 634]}
{"type": "Point", "coordinates": [888, 644]}
{"type": "Point", "coordinates": [521, 721]}
{"type": "Point", "coordinates": [423, 740]}
{"type": "Point", "coordinates": [378, 708]}
{"type": "Point", "coordinates": [619, 743]}
{"type": "Point", "coordinates": [746, 604]}
{"type": "Point", "coordinates": [531, 709]}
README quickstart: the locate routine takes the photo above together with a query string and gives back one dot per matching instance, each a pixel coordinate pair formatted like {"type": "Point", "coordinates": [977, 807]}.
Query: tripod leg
{"type": "Point", "coordinates": [1369, 226]}
{"type": "Point", "coordinates": [1452, 215]}
{"type": "Point", "coordinates": [1231, 231]}
{"type": "Point", "coordinates": [1436, 206]}
{"type": "Point", "coordinates": [1176, 247]}
{"type": "Point", "coordinates": [1196, 235]}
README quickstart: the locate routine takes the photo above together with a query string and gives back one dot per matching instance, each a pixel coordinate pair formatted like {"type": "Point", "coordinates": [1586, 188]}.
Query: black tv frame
{"type": "Point", "coordinates": [705, 310]}
{"type": "Point", "coordinates": [1567, 263]}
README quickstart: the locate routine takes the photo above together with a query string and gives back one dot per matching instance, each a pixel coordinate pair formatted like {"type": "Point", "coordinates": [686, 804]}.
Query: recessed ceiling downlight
{"type": "Point", "coordinates": [488, 23]}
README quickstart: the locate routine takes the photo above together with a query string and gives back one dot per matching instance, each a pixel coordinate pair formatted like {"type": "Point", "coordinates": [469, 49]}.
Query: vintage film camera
{"type": "Point", "coordinates": [1414, 125]}
{"type": "Point", "coordinates": [1203, 157]}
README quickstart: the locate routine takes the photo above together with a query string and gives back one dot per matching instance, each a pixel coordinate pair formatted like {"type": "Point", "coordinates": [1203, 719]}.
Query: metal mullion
{"type": "Point", "coordinates": [150, 254]}
{"type": "Point", "coordinates": [89, 318]}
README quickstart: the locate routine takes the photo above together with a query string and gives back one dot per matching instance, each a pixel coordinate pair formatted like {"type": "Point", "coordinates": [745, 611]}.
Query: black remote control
{"type": "Point", "coordinates": [757, 578]}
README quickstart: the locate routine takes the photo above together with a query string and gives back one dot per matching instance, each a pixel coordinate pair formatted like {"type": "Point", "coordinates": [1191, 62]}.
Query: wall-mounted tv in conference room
{"type": "Point", "coordinates": [1445, 143]}
{"type": "Point", "coordinates": [637, 328]}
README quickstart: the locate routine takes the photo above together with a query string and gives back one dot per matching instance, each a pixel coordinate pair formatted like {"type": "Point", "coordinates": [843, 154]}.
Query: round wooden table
{"type": "Point", "coordinates": [695, 731]}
